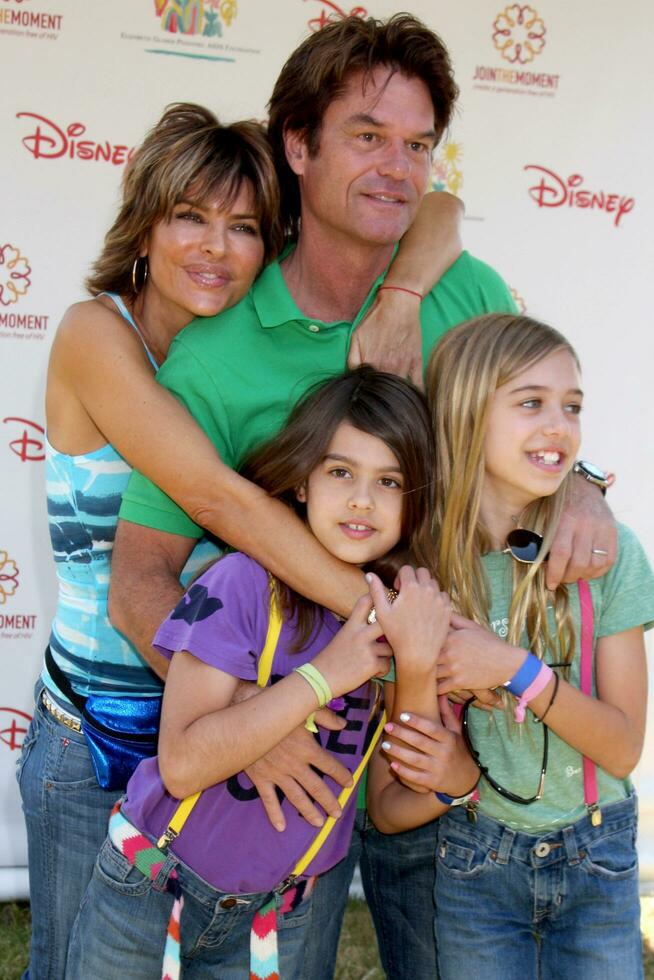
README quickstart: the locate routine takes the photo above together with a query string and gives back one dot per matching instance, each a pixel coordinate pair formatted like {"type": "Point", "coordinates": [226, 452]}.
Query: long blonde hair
{"type": "Point", "coordinates": [468, 365]}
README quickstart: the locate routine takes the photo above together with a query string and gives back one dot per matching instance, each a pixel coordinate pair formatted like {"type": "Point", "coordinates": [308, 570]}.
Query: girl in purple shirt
{"type": "Point", "coordinates": [356, 461]}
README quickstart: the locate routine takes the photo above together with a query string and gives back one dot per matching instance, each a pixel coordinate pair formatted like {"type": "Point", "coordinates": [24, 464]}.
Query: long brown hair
{"type": "Point", "coordinates": [187, 154]}
{"type": "Point", "coordinates": [319, 69]}
{"type": "Point", "coordinates": [464, 371]}
{"type": "Point", "coordinates": [382, 405]}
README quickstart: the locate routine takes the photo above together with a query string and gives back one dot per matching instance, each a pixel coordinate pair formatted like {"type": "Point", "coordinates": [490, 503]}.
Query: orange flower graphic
{"type": "Point", "coordinates": [519, 33]}
{"type": "Point", "coordinates": [14, 275]}
{"type": "Point", "coordinates": [8, 577]}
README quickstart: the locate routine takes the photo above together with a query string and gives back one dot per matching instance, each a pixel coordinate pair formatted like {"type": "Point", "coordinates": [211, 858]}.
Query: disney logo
{"type": "Point", "coordinates": [29, 446]}
{"type": "Point", "coordinates": [13, 728]}
{"type": "Point", "coordinates": [48, 141]}
{"type": "Point", "coordinates": [334, 13]}
{"type": "Point", "coordinates": [553, 191]}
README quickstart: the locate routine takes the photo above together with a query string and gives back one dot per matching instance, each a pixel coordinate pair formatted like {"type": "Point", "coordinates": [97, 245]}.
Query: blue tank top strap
{"type": "Point", "coordinates": [124, 312]}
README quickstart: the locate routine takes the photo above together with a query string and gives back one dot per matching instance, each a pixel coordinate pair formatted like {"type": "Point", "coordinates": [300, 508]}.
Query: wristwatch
{"type": "Point", "coordinates": [593, 474]}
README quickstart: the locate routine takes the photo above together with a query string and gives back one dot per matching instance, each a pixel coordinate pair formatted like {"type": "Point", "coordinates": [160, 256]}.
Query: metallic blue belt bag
{"type": "Point", "coordinates": [120, 732]}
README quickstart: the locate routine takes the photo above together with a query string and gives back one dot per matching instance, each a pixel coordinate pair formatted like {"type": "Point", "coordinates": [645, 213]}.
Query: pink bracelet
{"type": "Point", "coordinates": [537, 686]}
{"type": "Point", "coordinates": [401, 289]}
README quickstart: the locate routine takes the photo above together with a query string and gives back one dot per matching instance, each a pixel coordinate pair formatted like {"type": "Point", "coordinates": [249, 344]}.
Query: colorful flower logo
{"type": "Point", "coordinates": [331, 12]}
{"type": "Point", "coordinates": [519, 34]}
{"type": "Point", "coordinates": [205, 17]}
{"type": "Point", "coordinates": [8, 577]}
{"type": "Point", "coordinates": [446, 174]}
{"type": "Point", "coordinates": [14, 275]}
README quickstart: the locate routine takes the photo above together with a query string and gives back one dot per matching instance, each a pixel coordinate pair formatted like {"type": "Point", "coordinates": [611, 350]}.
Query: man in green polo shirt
{"type": "Point", "coordinates": [354, 117]}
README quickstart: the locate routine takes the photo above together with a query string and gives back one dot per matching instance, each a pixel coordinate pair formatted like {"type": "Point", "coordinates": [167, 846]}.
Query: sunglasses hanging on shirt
{"type": "Point", "coordinates": [524, 545]}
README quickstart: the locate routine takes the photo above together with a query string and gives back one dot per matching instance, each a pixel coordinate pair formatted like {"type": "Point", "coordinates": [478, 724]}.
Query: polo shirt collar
{"type": "Point", "coordinates": [275, 306]}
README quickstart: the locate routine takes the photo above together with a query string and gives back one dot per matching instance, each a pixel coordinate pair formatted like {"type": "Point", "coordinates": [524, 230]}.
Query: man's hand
{"type": "Point", "coordinates": [389, 336]}
{"type": "Point", "coordinates": [289, 767]}
{"type": "Point", "coordinates": [586, 541]}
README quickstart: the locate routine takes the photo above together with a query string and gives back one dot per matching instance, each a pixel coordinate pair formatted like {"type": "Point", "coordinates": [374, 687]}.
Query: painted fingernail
{"type": "Point", "coordinates": [394, 766]}
{"type": "Point", "coordinates": [386, 746]}
{"type": "Point", "coordinates": [405, 716]}
{"type": "Point", "coordinates": [388, 727]}
{"type": "Point", "coordinates": [368, 577]}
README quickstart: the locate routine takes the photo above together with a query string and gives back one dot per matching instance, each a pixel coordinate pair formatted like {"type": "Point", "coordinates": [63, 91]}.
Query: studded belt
{"type": "Point", "coordinates": [65, 717]}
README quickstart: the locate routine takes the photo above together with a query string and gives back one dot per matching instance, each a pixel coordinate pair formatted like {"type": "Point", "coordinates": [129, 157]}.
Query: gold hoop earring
{"type": "Point", "coordinates": [136, 286]}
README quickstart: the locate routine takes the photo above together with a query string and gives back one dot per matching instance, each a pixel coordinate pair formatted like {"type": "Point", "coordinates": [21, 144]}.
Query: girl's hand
{"type": "Point", "coordinates": [431, 756]}
{"type": "Point", "coordinates": [355, 654]}
{"type": "Point", "coordinates": [474, 658]}
{"type": "Point", "coordinates": [417, 622]}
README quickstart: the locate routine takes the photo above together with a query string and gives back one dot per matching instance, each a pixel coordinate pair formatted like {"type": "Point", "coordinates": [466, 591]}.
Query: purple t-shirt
{"type": "Point", "coordinates": [228, 840]}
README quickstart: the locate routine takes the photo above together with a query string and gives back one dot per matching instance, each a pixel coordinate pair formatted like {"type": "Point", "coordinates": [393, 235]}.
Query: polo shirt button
{"type": "Point", "coordinates": [314, 328]}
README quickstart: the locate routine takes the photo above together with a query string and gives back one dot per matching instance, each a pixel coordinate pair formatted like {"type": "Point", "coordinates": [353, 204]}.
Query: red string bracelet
{"type": "Point", "coordinates": [401, 289]}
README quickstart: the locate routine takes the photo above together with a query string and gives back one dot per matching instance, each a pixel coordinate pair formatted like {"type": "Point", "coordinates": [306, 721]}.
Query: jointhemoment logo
{"type": "Point", "coordinates": [13, 626]}
{"type": "Point", "coordinates": [9, 573]}
{"type": "Point", "coordinates": [519, 34]}
{"type": "Point", "coordinates": [14, 275]}
{"type": "Point", "coordinates": [15, 281]}
{"type": "Point", "coordinates": [519, 37]}
{"type": "Point", "coordinates": [32, 24]}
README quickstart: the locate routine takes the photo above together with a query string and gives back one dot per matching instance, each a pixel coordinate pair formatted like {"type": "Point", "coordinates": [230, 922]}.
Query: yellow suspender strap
{"type": "Point", "coordinates": [343, 797]}
{"type": "Point", "coordinates": [275, 623]}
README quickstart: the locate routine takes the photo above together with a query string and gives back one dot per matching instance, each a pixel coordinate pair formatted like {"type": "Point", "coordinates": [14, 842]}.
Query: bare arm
{"type": "Point", "coordinates": [586, 524]}
{"type": "Point", "coordinates": [101, 384]}
{"type": "Point", "coordinates": [389, 336]}
{"type": "Point", "coordinates": [205, 738]}
{"type": "Point", "coordinates": [145, 569]}
{"type": "Point", "coordinates": [416, 625]}
{"type": "Point", "coordinates": [609, 729]}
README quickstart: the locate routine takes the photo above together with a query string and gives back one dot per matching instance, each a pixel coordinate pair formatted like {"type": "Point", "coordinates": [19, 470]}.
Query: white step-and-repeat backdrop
{"type": "Point", "coordinates": [548, 150]}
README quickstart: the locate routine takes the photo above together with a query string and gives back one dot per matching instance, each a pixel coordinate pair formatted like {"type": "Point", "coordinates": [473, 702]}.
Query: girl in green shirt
{"type": "Point", "coordinates": [537, 873]}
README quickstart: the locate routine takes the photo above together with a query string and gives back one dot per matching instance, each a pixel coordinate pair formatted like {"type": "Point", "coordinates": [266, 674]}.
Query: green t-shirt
{"type": "Point", "coordinates": [622, 599]}
{"type": "Point", "coordinates": [239, 374]}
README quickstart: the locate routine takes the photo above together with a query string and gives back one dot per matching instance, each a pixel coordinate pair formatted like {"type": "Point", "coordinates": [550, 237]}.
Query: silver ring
{"type": "Point", "coordinates": [599, 551]}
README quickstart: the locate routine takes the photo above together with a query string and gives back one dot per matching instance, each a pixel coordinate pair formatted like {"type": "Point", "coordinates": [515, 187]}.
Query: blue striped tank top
{"type": "Point", "coordinates": [84, 494]}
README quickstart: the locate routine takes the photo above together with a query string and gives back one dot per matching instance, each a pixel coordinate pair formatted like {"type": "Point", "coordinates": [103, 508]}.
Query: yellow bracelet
{"type": "Point", "coordinates": [317, 682]}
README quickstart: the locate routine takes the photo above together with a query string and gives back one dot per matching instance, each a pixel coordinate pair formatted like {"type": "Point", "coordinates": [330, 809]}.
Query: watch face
{"type": "Point", "coordinates": [592, 470]}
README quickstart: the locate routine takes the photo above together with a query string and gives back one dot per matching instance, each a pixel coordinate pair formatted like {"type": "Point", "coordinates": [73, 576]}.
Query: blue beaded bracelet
{"type": "Point", "coordinates": [525, 676]}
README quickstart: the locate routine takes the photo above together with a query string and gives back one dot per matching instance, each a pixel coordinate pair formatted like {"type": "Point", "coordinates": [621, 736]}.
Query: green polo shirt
{"type": "Point", "coordinates": [239, 374]}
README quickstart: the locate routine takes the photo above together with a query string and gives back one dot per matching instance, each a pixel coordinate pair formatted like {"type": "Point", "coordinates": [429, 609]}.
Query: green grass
{"type": "Point", "coordinates": [357, 952]}
{"type": "Point", "coordinates": [14, 939]}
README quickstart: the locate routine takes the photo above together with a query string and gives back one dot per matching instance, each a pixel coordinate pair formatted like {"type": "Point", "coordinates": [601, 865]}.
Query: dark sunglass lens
{"type": "Point", "coordinates": [524, 544]}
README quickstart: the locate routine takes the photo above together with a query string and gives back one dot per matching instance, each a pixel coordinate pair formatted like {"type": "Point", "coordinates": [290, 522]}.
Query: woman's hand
{"type": "Point", "coordinates": [431, 757]}
{"type": "Point", "coordinates": [389, 336]}
{"type": "Point", "coordinates": [473, 658]}
{"type": "Point", "coordinates": [417, 622]}
{"type": "Point", "coordinates": [355, 654]}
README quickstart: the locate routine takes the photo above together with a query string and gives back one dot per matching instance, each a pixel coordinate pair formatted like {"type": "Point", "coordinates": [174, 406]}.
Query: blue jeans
{"type": "Point", "coordinates": [398, 880]}
{"type": "Point", "coordinates": [560, 906]}
{"type": "Point", "coordinates": [120, 931]}
{"type": "Point", "coordinates": [66, 814]}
